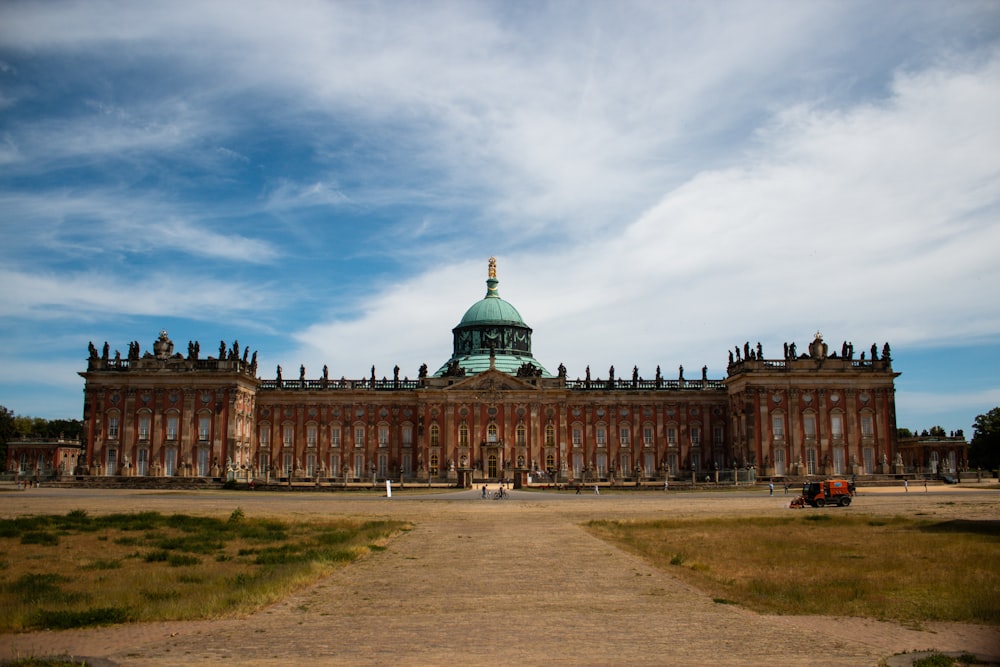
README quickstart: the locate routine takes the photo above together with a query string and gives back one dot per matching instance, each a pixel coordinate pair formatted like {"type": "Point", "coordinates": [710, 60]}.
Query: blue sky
{"type": "Point", "coordinates": [660, 181]}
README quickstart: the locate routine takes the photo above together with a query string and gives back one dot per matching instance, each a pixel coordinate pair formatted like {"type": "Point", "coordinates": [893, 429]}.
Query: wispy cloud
{"type": "Point", "coordinates": [89, 296]}
{"type": "Point", "coordinates": [91, 223]}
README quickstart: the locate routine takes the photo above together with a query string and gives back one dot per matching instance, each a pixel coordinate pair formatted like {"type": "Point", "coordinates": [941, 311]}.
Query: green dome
{"type": "Point", "coordinates": [492, 334]}
{"type": "Point", "coordinates": [491, 309]}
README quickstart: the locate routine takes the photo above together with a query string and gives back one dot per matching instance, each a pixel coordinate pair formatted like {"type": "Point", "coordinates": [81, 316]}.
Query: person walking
{"type": "Point", "coordinates": [597, 491]}
{"type": "Point", "coordinates": [666, 485]}
{"type": "Point", "coordinates": [906, 486]}
{"type": "Point", "coordinates": [770, 488]}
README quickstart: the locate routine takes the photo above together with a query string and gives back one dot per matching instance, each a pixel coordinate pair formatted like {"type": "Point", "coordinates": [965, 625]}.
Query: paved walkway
{"type": "Point", "coordinates": [478, 582]}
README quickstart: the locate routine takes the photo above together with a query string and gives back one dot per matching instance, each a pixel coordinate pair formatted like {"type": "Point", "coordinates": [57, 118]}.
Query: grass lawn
{"type": "Point", "coordinates": [76, 570]}
{"type": "Point", "coordinates": [899, 569]}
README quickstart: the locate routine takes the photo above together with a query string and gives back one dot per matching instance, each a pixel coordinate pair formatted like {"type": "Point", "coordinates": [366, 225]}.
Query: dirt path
{"type": "Point", "coordinates": [488, 582]}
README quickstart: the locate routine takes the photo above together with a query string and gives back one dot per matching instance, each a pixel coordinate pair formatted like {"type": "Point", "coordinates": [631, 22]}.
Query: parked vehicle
{"type": "Point", "coordinates": [827, 492]}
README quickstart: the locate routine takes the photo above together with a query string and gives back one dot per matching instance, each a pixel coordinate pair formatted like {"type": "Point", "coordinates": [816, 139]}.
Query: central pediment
{"type": "Point", "coordinates": [492, 380]}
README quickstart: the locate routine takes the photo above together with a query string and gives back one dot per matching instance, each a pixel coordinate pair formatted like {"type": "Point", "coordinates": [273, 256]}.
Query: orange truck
{"type": "Point", "coordinates": [827, 492]}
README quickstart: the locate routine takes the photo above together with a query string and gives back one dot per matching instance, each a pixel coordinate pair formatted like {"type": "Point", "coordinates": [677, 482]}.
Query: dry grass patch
{"type": "Point", "coordinates": [830, 564]}
{"type": "Point", "coordinates": [77, 570]}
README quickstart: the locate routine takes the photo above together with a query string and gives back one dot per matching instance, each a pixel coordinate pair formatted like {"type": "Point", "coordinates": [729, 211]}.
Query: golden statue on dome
{"type": "Point", "coordinates": [493, 268]}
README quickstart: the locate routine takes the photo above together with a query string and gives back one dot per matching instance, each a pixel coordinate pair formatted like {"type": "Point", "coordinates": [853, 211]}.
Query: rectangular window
{"type": "Point", "coordinates": [647, 436]}
{"type": "Point", "coordinates": [204, 424]}
{"type": "Point", "coordinates": [869, 455]}
{"type": "Point", "coordinates": [720, 435]}
{"type": "Point", "coordinates": [866, 426]}
{"type": "Point", "coordinates": [778, 426]}
{"type": "Point", "coordinates": [265, 436]}
{"type": "Point", "coordinates": [288, 436]}
{"type": "Point", "coordinates": [672, 436]}
{"type": "Point", "coordinates": [809, 425]}
{"type": "Point", "coordinates": [811, 461]}
{"type": "Point", "coordinates": [142, 462]}
{"type": "Point", "coordinates": [695, 435]}
{"type": "Point", "coordinates": [602, 436]}
{"type": "Point", "coordinates": [288, 464]}
{"type": "Point", "coordinates": [577, 437]}
{"type": "Point", "coordinates": [171, 428]}
{"type": "Point", "coordinates": [623, 436]}
{"type": "Point", "coordinates": [335, 436]}
{"type": "Point", "coordinates": [383, 436]}
{"type": "Point", "coordinates": [112, 428]}
{"type": "Point", "coordinates": [837, 427]}
{"type": "Point", "coordinates": [359, 436]}
{"type": "Point", "coordinates": [311, 436]}
{"type": "Point", "coordinates": [170, 462]}
{"type": "Point", "coordinates": [144, 427]}
{"type": "Point", "coordinates": [407, 436]}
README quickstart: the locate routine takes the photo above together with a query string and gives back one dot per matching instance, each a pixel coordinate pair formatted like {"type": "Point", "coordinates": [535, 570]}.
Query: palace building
{"type": "Point", "coordinates": [490, 412]}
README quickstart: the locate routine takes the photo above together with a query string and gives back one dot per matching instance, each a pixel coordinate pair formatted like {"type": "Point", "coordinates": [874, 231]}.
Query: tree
{"type": "Point", "coordinates": [984, 450]}
{"type": "Point", "coordinates": [7, 431]}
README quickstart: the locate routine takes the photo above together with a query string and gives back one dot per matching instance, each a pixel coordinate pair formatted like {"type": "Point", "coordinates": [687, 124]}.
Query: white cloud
{"type": "Point", "coordinates": [861, 222]}
{"type": "Point", "coordinates": [88, 296]}
{"type": "Point", "coordinates": [88, 224]}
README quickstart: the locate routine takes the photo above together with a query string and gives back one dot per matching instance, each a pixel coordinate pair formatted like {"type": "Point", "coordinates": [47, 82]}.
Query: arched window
{"type": "Point", "coordinates": [113, 426]}
{"type": "Point", "coordinates": [204, 426]}
{"type": "Point", "coordinates": [492, 434]}
{"type": "Point", "coordinates": [550, 461]}
{"type": "Point", "coordinates": [434, 464]}
{"type": "Point", "coordinates": [144, 420]}
{"type": "Point", "coordinates": [550, 435]}
{"type": "Point", "coordinates": [522, 435]}
{"type": "Point", "coordinates": [463, 435]}
{"type": "Point", "coordinates": [435, 435]}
